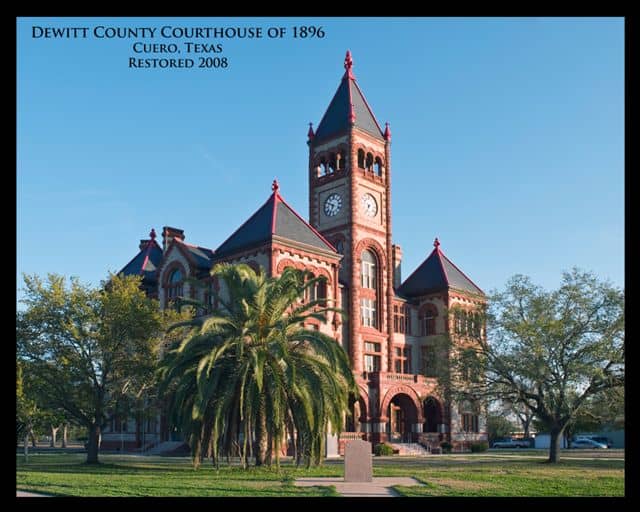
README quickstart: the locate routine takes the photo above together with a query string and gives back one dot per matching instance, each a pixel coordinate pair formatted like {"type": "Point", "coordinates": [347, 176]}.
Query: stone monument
{"type": "Point", "coordinates": [358, 465]}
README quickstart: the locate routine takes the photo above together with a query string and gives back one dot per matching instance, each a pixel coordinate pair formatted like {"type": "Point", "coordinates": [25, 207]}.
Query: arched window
{"type": "Point", "coordinates": [460, 322]}
{"type": "Point", "coordinates": [368, 270]}
{"type": "Point", "coordinates": [331, 167]}
{"type": "Point", "coordinates": [428, 361]}
{"type": "Point", "coordinates": [369, 162]}
{"type": "Point", "coordinates": [316, 292]}
{"type": "Point", "coordinates": [470, 366]}
{"type": "Point", "coordinates": [361, 159]}
{"type": "Point", "coordinates": [321, 291]}
{"type": "Point", "coordinates": [342, 160]}
{"type": "Point", "coordinates": [377, 167]}
{"type": "Point", "coordinates": [432, 414]}
{"type": "Point", "coordinates": [477, 326]}
{"type": "Point", "coordinates": [428, 320]}
{"type": "Point", "coordinates": [469, 417]}
{"type": "Point", "coordinates": [209, 297]}
{"type": "Point", "coordinates": [174, 284]}
{"type": "Point", "coordinates": [322, 168]}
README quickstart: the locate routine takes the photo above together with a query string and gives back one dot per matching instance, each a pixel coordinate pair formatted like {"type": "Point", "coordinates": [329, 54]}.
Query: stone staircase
{"type": "Point", "coordinates": [411, 449]}
{"type": "Point", "coordinates": [165, 447]}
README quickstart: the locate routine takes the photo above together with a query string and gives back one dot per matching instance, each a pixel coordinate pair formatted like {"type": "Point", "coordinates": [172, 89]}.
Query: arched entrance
{"type": "Point", "coordinates": [432, 415]}
{"type": "Point", "coordinates": [402, 416]}
{"type": "Point", "coordinates": [356, 420]}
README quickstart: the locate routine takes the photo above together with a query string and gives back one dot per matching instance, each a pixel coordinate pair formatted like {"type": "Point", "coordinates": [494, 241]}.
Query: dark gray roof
{"type": "Point", "coordinates": [200, 255]}
{"type": "Point", "coordinates": [145, 262]}
{"type": "Point", "coordinates": [437, 273]}
{"type": "Point", "coordinates": [255, 230]}
{"type": "Point", "coordinates": [336, 118]}
{"type": "Point", "coordinates": [275, 217]}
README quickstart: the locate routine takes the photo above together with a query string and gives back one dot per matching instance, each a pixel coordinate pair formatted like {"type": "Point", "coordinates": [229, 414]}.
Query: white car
{"type": "Point", "coordinates": [588, 443]}
{"type": "Point", "coordinates": [510, 443]}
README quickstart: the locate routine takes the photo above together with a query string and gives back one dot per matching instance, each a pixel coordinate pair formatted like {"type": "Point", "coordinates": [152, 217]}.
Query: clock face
{"type": "Point", "coordinates": [369, 204]}
{"type": "Point", "coordinates": [332, 205]}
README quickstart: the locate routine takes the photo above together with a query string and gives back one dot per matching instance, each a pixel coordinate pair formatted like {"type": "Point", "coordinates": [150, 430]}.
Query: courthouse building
{"type": "Point", "coordinates": [392, 327]}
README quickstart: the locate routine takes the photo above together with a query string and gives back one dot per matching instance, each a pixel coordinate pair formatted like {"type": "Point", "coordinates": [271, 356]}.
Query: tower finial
{"type": "Point", "coordinates": [310, 133]}
{"type": "Point", "coordinates": [348, 64]}
{"type": "Point", "coordinates": [436, 243]}
{"type": "Point", "coordinates": [387, 132]}
{"type": "Point", "coordinates": [274, 186]}
{"type": "Point", "coordinates": [152, 234]}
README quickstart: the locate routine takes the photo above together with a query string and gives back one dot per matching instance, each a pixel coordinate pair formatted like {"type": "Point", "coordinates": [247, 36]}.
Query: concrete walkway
{"type": "Point", "coordinates": [25, 494]}
{"type": "Point", "coordinates": [380, 487]}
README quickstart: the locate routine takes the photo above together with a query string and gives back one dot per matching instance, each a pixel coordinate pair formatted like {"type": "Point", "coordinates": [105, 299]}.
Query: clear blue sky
{"type": "Point", "coordinates": [507, 139]}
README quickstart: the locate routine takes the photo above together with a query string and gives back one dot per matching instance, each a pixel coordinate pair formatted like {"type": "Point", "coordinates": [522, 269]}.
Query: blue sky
{"type": "Point", "coordinates": [507, 139]}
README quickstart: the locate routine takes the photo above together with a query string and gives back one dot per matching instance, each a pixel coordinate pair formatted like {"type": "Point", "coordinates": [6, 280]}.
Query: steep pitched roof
{"type": "Point", "coordinates": [437, 273]}
{"type": "Point", "coordinates": [348, 105]}
{"type": "Point", "coordinates": [146, 261]}
{"type": "Point", "coordinates": [201, 256]}
{"type": "Point", "coordinates": [273, 218]}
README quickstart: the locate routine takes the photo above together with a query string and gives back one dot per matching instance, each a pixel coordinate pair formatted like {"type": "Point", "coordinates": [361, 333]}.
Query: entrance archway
{"type": "Point", "coordinates": [432, 414]}
{"type": "Point", "coordinates": [358, 409]}
{"type": "Point", "coordinates": [402, 415]}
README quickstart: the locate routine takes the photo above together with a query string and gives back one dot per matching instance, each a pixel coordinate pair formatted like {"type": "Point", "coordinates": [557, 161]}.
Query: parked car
{"type": "Point", "coordinates": [588, 443]}
{"type": "Point", "coordinates": [509, 442]}
{"type": "Point", "coordinates": [603, 440]}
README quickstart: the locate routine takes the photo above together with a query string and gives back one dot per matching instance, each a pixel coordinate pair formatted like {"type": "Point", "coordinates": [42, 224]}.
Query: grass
{"type": "Point", "coordinates": [121, 475]}
{"type": "Point", "coordinates": [486, 474]}
{"type": "Point", "coordinates": [521, 477]}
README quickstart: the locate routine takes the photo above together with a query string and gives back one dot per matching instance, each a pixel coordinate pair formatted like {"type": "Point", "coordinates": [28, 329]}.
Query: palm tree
{"type": "Point", "coordinates": [251, 371]}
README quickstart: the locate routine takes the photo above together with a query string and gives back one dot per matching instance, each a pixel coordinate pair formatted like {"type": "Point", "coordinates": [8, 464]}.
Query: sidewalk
{"type": "Point", "coordinates": [380, 487]}
{"type": "Point", "coordinates": [25, 494]}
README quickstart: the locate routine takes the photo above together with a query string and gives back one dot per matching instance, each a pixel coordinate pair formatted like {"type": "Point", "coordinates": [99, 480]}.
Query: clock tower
{"type": "Point", "coordinates": [350, 205]}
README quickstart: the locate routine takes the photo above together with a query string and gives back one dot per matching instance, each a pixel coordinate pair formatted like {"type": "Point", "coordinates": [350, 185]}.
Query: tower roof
{"type": "Point", "coordinates": [437, 273]}
{"type": "Point", "coordinates": [348, 107]}
{"type": "Point", "coordinates": [146, 261]}
{"type": "Point", "coordinates": [273, 218]}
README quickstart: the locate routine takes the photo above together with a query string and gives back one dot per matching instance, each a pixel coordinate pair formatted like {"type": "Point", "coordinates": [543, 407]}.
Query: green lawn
{"type": "Point", "coordinates": [121, 475]}
{"type": "Point", "coordinates": [519, 474]}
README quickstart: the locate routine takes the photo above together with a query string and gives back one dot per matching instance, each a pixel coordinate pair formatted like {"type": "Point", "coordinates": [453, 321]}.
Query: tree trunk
{"type": "Point", "coordinates": [569, 431]}
{"type": "Point", "coordinates": [64, 435]}
{"type": "Point", "coordinates": [26, 445]}
{"type": "Point", "coordinates": [556, 439]}
{"type": "Point", "coordinates": [93, 446]}
{"type": "Point", "coordinates": [54, 432]}
{"type": "Point", "coordinates": [261, 433]}
{"type": "Point", "coordinates": [269, 453]}
{"type": "Point", "coordinates": [33, 438]}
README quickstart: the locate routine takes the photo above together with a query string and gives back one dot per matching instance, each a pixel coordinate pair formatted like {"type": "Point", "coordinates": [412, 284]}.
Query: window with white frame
{"type": "Point", "coordinates": [368, 269]}
{"type": "Point", "coordinates": [368, 312]}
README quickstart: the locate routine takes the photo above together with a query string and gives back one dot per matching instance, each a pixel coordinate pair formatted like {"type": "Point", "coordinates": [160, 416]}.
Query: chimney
{"type": "Point", "coordinates": [396, 254]}
{"type": "Point", "coordinates": [168, 234]}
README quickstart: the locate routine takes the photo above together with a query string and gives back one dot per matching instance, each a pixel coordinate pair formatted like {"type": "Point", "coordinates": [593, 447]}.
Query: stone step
{"type": "Point", "coordinates": [165, 447]}
{"type": "Point", "coordinates": [410, 449]}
